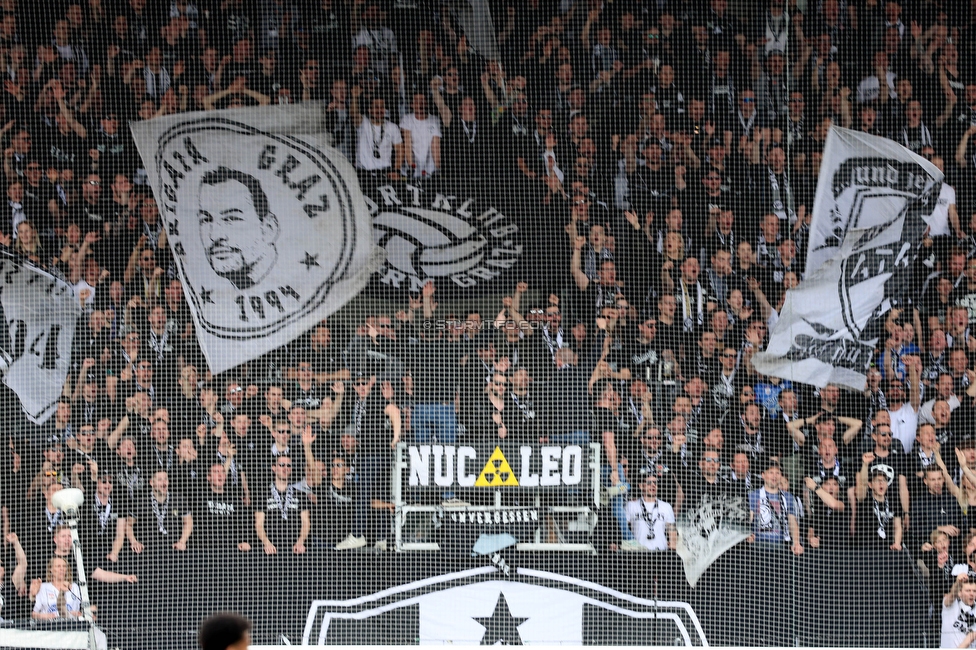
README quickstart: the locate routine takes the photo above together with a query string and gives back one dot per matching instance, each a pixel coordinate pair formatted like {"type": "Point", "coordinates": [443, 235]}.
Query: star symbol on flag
{"type": "Point", "coordinates": [205, 294]}
{"type": "Point", "coordinates": [501, 628]}
{"type": "Point", "coordinates": [310, 261]}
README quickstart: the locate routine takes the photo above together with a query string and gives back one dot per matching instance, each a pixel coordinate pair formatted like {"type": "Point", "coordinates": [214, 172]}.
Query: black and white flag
{"type": "Point", "coordinates": [39, 314]}
{"type": "Point", "coordinates": [873, 197]}
{"type": "Point", "coordinates": [267, 224]}
{"type": "Point", "coordinates": [709, 530]}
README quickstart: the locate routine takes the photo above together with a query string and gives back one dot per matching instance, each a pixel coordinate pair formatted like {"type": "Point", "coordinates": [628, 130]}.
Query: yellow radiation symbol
{"type": "Point", "coordinates": [497, 472]}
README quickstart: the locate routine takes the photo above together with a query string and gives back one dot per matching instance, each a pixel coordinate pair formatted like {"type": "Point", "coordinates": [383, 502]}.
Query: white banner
{"type": "Point", "coordinates": [267, 223]}
{"type": "Point", "coordinates": [40, 313]}
{"type": "Point", "coordinates": [708, 531]}
{"type": "Point", "coordinates": [873, 197]}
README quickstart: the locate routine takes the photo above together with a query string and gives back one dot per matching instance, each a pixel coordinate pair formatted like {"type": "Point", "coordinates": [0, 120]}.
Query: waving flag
{"type": "Point", "coordinates": [266, 222]}
{"type": "Point", "coordinates": [868, 220]}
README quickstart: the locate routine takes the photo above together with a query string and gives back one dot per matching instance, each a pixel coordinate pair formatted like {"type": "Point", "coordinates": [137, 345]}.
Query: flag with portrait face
{"type": "Point", "coordinates": [266, 222]}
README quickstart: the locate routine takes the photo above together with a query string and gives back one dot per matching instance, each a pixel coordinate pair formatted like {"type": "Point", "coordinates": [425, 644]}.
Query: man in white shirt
{"type": "Point", "coordinates": [944, 215]}
{"type": "Point", "coordinates": [651, 519]}
{"type": "Point", "coordinates": [958, 617]}
{"type": "Point", "coordinates": [379, 145]}
{"type": "Point", "coordinates": [422, 139]}
{"type": "Point", "coordinates": [904, 412]}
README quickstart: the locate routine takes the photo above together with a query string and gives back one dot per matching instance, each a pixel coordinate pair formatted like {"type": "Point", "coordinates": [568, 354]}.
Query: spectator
{"type": "Point", "coordinates": [775, 512]}
{"type": "Point", "coordinates": [59, 595]}
{"type": "Point", "coordinates": [936, 508]}
{"type": "Point", "coordinates": [283, 520]}
{"type": "Point", "coordinates": [222, 520]}
{"type": "Point", "coordinates": [828, 527]}
{"type": "Point", "coordinates": [958, 616]}
{"type": "Point", "coordinates": [652, 520]}
{"type": "Point", "coordinates": [376, 426]}
{"type": "Point", "coordinates": [380, 150]}
{"type": "Point", "coordinates": [421, 139]}
{"type": "Point", "coordinates": [158, 516]}
{"type": "Point", "coordinates": [881, 525]}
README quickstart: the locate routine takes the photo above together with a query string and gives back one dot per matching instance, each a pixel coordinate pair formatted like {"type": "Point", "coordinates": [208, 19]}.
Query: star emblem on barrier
{"type": "Point", "coordinates": [501, 628]}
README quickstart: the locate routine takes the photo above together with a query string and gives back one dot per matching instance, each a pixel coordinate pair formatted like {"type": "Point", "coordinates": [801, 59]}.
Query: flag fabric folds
{"type": "Point", "coordinates": [869, 217]}
{"type": "Point", "coordinates": [39, 314]}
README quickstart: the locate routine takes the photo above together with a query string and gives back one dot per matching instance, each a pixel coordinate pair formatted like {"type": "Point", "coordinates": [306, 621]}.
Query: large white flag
{"type": "Point", "coordinates": [266, 222]}
{"type": "Point", "coordinates": [39, 314]}
{"type": "Point", "coordinates": [873, 197]}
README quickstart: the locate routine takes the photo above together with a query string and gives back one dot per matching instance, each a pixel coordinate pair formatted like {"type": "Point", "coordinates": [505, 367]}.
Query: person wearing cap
{"type": "Point", "coordinates": [775, 512]}
{"type": "Point", "coordinates": [651, 520]}
{"type": "Point", "coordinates": [878, 522]}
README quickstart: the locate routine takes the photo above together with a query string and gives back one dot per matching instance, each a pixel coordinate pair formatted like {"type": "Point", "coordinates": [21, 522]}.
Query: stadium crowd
{"type": "Point", "coordinates": [666, 153]}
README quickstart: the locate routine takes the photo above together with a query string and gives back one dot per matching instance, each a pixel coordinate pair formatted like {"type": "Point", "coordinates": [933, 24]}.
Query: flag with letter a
{"type": "Point", "coordinates": [869, 217]}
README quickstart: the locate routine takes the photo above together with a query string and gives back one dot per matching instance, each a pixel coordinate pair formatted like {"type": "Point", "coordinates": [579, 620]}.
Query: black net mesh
{"type": "Point", "coordinates": [527, 423]}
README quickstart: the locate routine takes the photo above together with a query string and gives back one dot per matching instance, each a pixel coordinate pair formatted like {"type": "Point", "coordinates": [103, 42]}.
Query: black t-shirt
{"type": "Point", "coordinates": [36, 532]}
{"type": "Point", "coordinates": [159, 525]}
{"type": "Point", "coordinates": [131, 478]}
{"type": "Point", "coordinates": [874, 525]}
{"type": "Point", "coordinates": [97, 522]}
{"type": "Point", "coordinates": [282, 514]}
{"type": "Point", "coordinates": [100, 453]}
{"type": "Point", "coordinates": [831, 526]}
{"type": "Point", "coordinates": [915, 464]}
{"type": "Point", "coordinates": [188, 477]}
{"type": "Point", "coordinates": [374, 431]}
{"type": "Point", "coordinates": [154, 459]}
{"type": "Point", "coordinates": [221, 521]}
{"type": "Point", "coordinates": [694, 485]}
{"type": "Point", "coordinates": [64, 151]}
{"type": "Point", "coordinates": [308, 398]}
{"type": "Point", "coordinates": [523, 416]}
{"type": "Point", "coordinates": [333, 513]}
